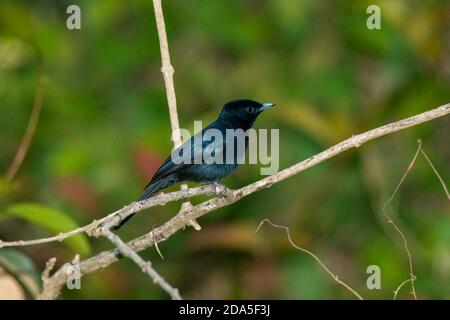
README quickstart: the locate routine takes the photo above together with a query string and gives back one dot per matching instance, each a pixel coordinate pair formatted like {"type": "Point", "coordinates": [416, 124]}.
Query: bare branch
{"type": "Point", "coordinates": [31, 128]}
{"type": "Point", "coordinates": [402, 235]}
{"type": "Point", "coordinates": [145, 266]}
{"type": "Point", "coordinates": [167, 71]}
{"type": "Point", "coordinates": [396, 291]}
{"type": "Point", "coordinates": [436, 173]}
{"type": "Point", "coordinates": [228, 197]}
{"type": "Point", "coordinates": [288, 234]}
{"type": "Point", "coordinates": [50, 264]}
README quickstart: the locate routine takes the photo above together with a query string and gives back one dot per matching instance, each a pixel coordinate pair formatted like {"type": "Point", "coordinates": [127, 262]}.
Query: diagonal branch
{"type": "Point", "coordinates": [54, 284]}
{"type": "Point", "coordinates": [145, 266]}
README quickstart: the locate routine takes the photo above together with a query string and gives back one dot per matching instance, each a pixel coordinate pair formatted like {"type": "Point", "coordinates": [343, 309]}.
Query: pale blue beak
{"type": "Point", "coordinates": [266, 106]}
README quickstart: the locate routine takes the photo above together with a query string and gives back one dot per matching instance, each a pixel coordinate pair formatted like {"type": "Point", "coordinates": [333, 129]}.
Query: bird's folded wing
{"type": "Point", "coordinates": [179, 161]}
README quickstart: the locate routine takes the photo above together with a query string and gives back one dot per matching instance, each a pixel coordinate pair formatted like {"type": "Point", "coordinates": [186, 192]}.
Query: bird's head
{"type": "Point", "coordinates": [243, 111]}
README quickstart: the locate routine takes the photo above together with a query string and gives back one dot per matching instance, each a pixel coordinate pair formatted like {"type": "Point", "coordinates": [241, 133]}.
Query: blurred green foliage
{"type": "Point", "coordinates": [52, 220]}
{"type": "Point", "coordinates": [104, 129]}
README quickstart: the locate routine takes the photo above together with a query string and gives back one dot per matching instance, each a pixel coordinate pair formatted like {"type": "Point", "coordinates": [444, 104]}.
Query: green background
{"type": "Point", "coordinates": [104, 129]}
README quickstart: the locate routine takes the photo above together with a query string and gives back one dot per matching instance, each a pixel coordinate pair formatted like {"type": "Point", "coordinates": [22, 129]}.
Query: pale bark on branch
{"type": "Point", "coordinates": [146, 266]}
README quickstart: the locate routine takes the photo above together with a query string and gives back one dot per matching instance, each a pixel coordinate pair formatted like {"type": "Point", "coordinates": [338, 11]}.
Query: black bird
{"type": "Point", "coordinates": [236, 114]}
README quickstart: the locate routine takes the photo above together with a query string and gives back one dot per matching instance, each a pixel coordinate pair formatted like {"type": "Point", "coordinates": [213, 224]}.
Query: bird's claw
{"type": "Point", "coordinates": [219, 189]}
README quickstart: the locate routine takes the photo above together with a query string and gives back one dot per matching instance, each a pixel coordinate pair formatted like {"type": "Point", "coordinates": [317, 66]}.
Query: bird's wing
{"type": "Point", "coordinates": [196, 145]}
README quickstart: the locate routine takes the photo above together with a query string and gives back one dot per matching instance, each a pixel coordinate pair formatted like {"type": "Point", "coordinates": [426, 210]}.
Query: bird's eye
{"type": "Point", "coordinates": [250, 109]}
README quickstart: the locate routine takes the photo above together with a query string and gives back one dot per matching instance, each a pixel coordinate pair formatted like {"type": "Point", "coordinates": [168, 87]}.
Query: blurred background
{"type": "Point", "coordinates": [104, 129]}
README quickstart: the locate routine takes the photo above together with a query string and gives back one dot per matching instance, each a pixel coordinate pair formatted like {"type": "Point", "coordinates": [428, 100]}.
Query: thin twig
{"type": "Point", "coordinates": [31, 128]}
{"type": "Point", "coordinates": [390, 220]}
{"type": "Point", "coordinates": [167, 71]}
{"type": "Point", "coordinates": [396, 291]}
{"type": "Point", "coordinates": [288, 234]}
{"type": "Point", "coordinates": [436, 173]}
{"type": "Point", "coordinates": [49, 265]}
{"type": "Point", "coordinates": [145, 266]}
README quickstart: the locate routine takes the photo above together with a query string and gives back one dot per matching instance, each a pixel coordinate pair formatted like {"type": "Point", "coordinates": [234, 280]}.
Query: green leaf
{"type": "Point", "coordinates": [51, 220]}
{"type": "Point", "coordinates": [22, 269]}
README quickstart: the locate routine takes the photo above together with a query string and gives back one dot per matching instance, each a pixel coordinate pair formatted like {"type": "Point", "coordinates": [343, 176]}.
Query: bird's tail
{"type": "Point", "coordinates": [149, 191]}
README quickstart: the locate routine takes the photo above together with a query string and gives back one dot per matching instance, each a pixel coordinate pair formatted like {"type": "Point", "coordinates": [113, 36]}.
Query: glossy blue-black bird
{"type": "Point", "coordinates": [236, 114]}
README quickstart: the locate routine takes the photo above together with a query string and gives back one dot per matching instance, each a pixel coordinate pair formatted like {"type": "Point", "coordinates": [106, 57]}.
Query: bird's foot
{"type": "Point", "coordinates": [186, 207]}
{"type": "Point", "coordinates": [220, 189]}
